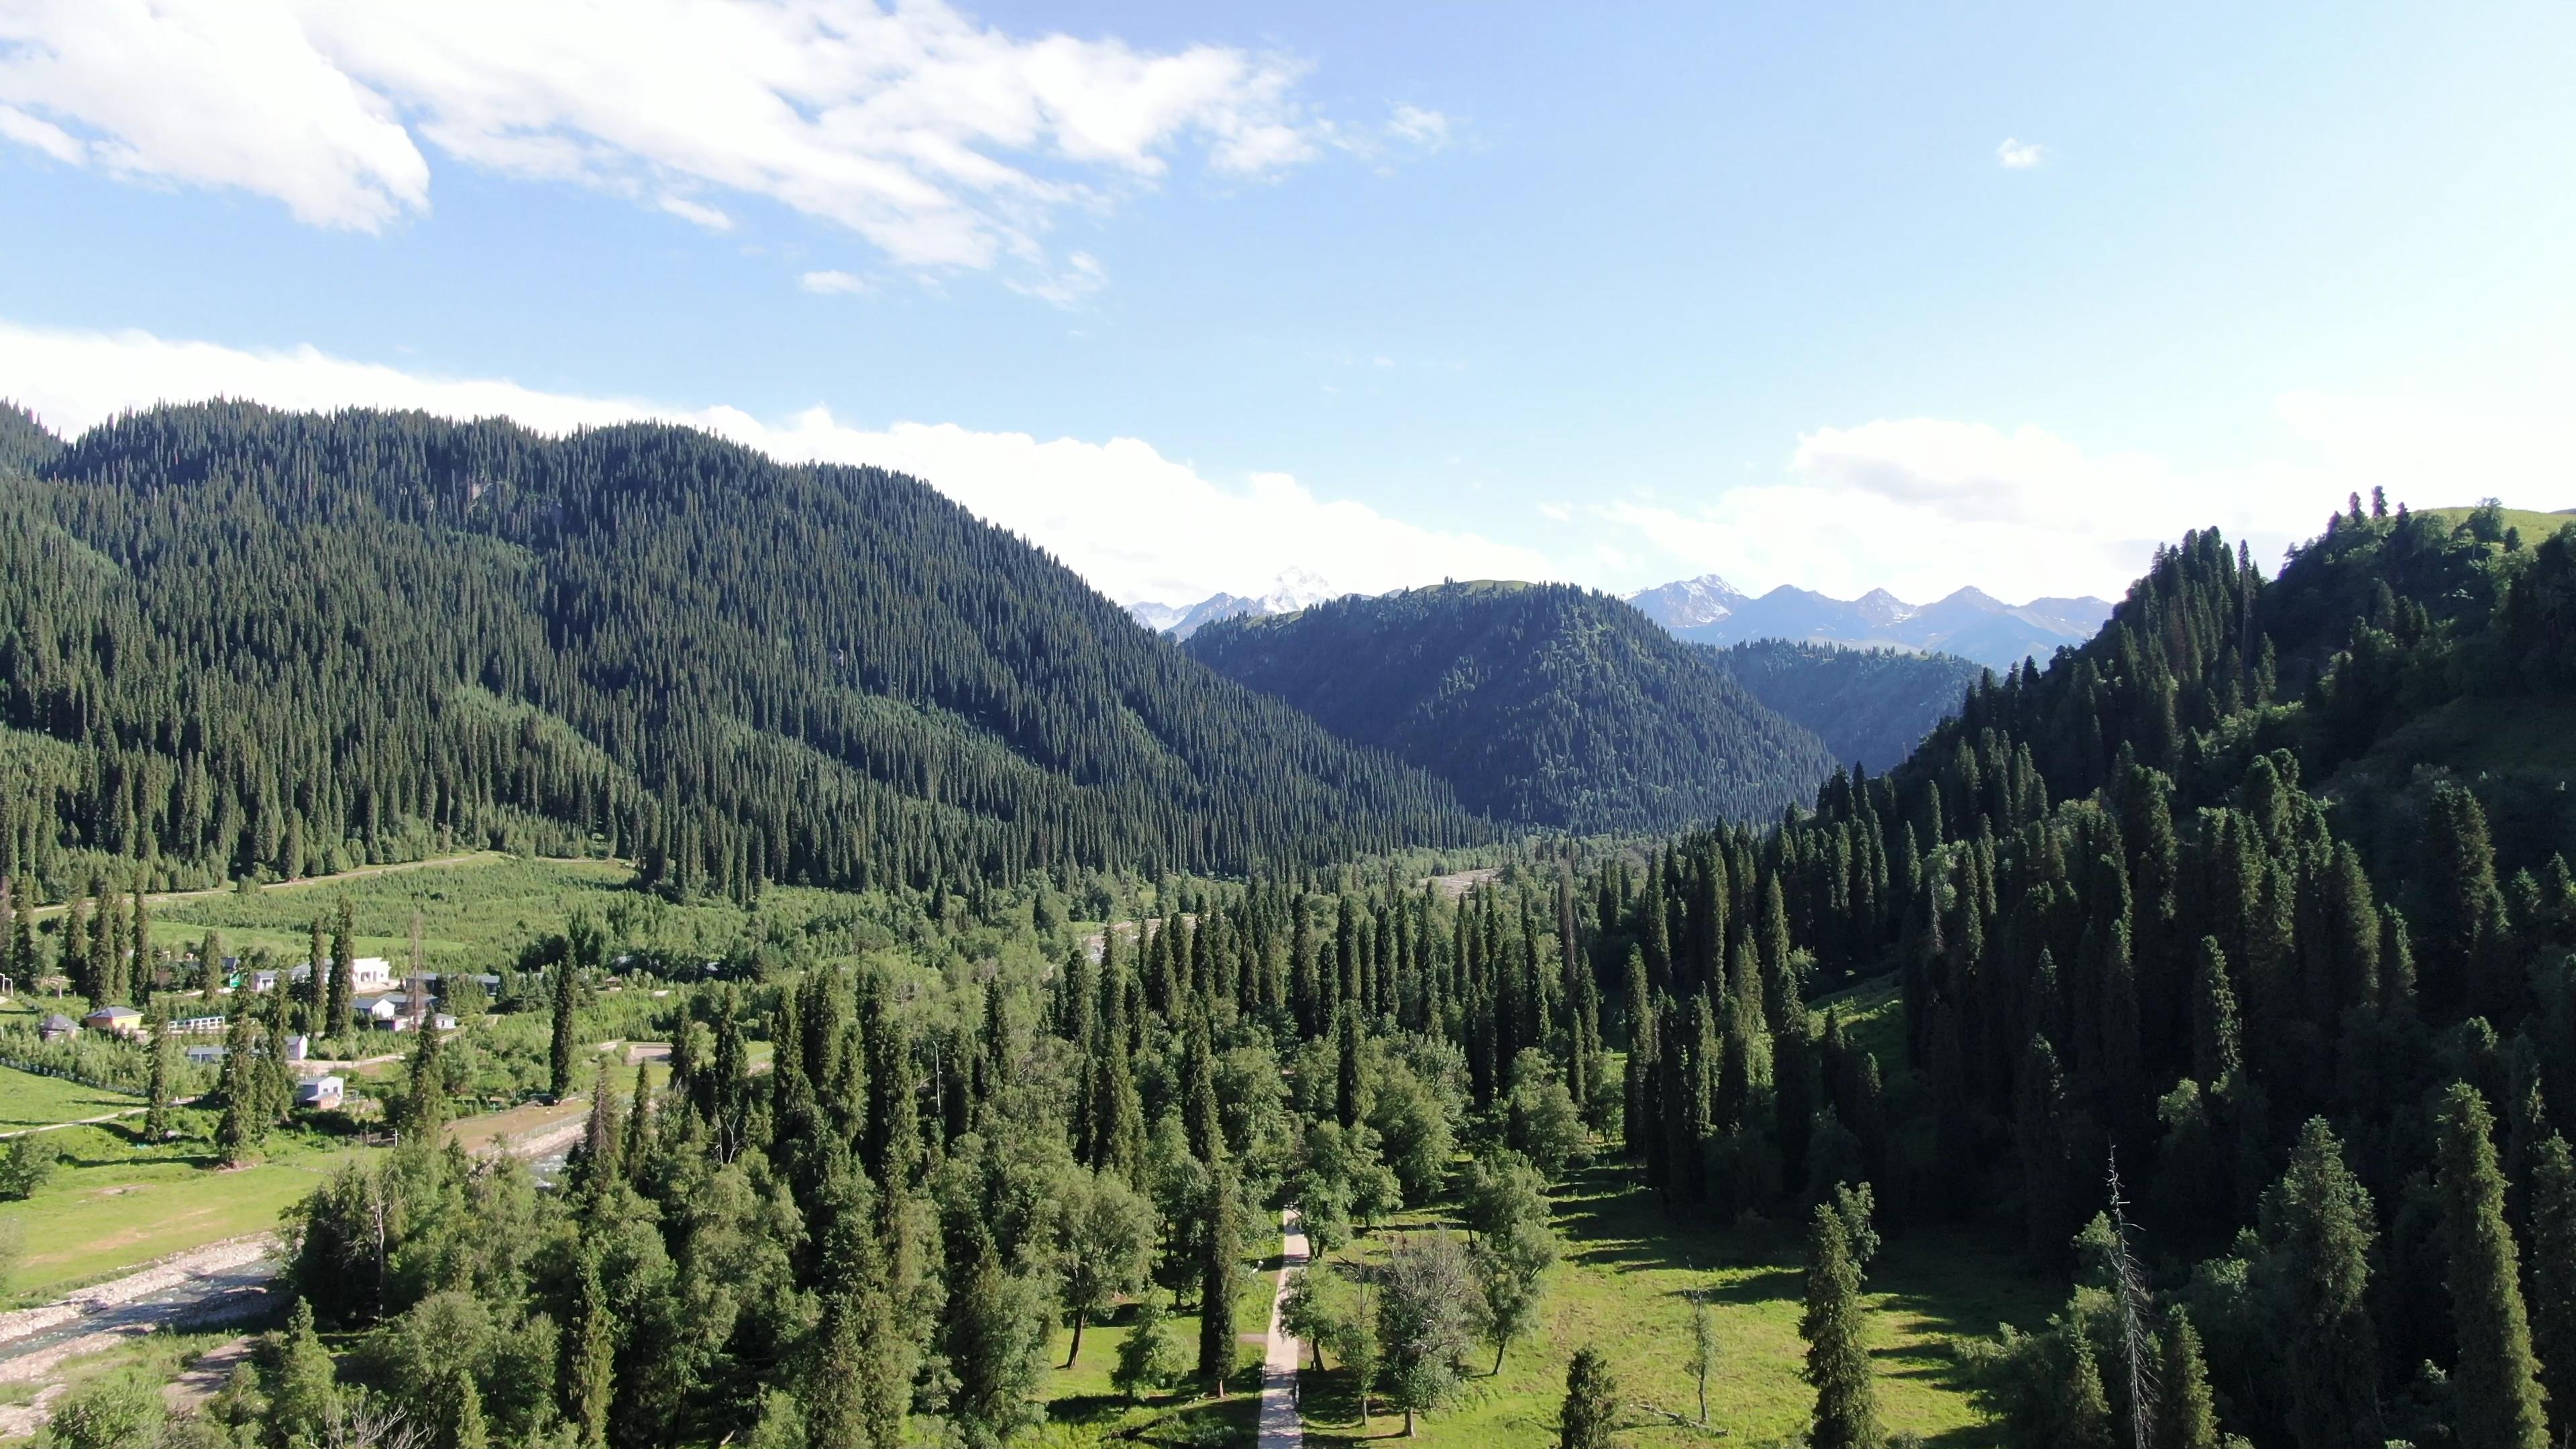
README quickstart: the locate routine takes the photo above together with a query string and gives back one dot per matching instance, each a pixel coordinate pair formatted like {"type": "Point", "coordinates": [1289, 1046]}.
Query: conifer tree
{"type": "Point", "coordinates": [2216, 1053]}
{"type": "Point", "coordinates": [1219, 1276]}
{"type": "Point", "coordinates": [562, 1047]}
{"type": "Point", "coordinates": [245, 1117]}
{"type": "Point", "coordinates": [1846, 1414]}
{"type": "Point", "coordinates": [142, 976]}
{"type": "Point", "coordinates": [303, 1394]}
{"type": "Point", "coordinates": [344, 970]}
{"type": "Point", "coordinates": [588, 1376]}
{"type": "Point", "coordinates": [639, 1123]}
{"type": "Point", "coordinates": [1199, 1120]}
{"type": "Point", "coordinates": [2496, 1380]}
{"type": "Point", "coordinates": [165, 1053]}
{"type": "Point", "coordinates": [1591, 1408]}
{"type": "Point", "coordinates": [2321, 1231]}
{"type": "Point", "coordinates": [2553, 1277]}
{"type": "Point", "coordinates": [425, 1094]}
{"type": "Point", "coordinates": [2463, 966]}
{"type": "Point", "coordinates": [2186, 1414]}
{"type": "Point", "coordinates": [73, 960]}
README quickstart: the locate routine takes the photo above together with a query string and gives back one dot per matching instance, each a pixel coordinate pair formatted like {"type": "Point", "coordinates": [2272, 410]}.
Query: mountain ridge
{"type": "Point", "coordinates": [1544, 704]}
{"type": "Point", "coordinates": [1968, 622]}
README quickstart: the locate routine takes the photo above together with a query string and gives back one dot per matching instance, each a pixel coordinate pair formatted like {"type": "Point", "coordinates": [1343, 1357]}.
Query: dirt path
{"type": "Point", "coordinates": [135, 1111]}
{"type": "Point", "coordinates": [163, 898]}
{"type": "Point", "coordinates": [1283, 1425]}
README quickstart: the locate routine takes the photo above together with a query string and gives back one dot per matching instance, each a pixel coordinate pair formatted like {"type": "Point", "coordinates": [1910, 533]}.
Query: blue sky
{"type": "Point", "coordinates": [1616, 294]}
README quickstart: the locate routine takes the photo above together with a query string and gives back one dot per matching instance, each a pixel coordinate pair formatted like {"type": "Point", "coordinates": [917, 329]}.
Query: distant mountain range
{"type": "Point", "coordinates": [1969, 623]}
{"type": "Point", "coordinates": [1296, 589]}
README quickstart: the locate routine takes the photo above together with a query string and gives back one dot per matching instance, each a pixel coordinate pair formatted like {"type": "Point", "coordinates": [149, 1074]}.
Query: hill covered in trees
{"type": "Point", "coordinates": [1871, 707]}
{"type": "Point", "coordinates": [1538, 703]}
{"type": "Point", "coordinates": [235, 640]}
{"type": "Point", "coordinates": [2262, 894]}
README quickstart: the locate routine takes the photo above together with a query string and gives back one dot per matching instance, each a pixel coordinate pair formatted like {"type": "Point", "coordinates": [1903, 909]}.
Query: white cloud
{"type": "Point", "coordinates": [1922, 506]}
{"type": "Point", "coordinates": [1066, 285]}
{"type": "Point", "coordinates": [1137, 524]}
{"type": "Point", "coordinates": [690, 211]}
{"type": "Point", "coordinates": [1424, 128]}
{"type": "Point", "coordinates": [830, 284]}
{"type": "Point", "coordinates": [2020, 155]}
{"type": "Point", "coordinates": [944, 141]}
{"type": "Point", "coordinates": [228, 93]}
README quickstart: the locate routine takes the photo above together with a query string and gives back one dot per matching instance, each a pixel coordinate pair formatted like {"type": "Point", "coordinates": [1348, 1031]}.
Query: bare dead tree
{"type": "Point", "coordinates": [2129, 1285]}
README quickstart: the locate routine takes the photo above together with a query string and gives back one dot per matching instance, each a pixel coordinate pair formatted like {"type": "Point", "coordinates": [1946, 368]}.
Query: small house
{"type": "Point", "coordinates": [263, 980]}
{"type": "Point", "coordinates": [371, 973]}
{"type": "Point", "coordinates": [298, 1047]}
{"type": "Point", "coordinates": [122, 1020]}
{"type": "Point", "coordinates": [57, 1027]}
{"type": "Point", "coordinates": [385, 1011]}
{"type": "Point", "coordinates": [205, 1055]}
{"type": "Point", "coordinates": [320, 1094]}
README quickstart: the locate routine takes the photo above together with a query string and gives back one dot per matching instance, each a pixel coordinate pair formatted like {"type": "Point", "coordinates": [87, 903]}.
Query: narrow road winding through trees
{"type": "Point", "coordinates": [1282, 1426]}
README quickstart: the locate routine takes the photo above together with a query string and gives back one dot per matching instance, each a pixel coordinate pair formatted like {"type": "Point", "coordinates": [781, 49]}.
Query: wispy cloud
{"type": "Point", "coordinates": [697, 214]}
{"type": "Point", "coordinates": [944, 141]}
{"type": "Point", "coordinates": [1137, 524]}
{"type": "Point", "coordinates": [2014, 155]}
{"type": "Point", "coordinates": [834, 284]}
{"type": "Point", "coordinates": [1426, 129]}
{"type": "Point", "coordinates": [1922, 506]}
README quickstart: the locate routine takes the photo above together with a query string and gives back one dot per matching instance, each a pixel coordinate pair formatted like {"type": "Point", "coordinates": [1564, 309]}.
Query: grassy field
{"type": "Point", "coordinates": [2535, 526]}
{"type": "Point", "coordinates": [1083, 1407]}
{"type": "Point", "coordinates": [29, 1100]}
{"type": "Point", "coordinates": [115, 1203]}
{"type": "Point", "coordinates": [1621, 1288]}
{"type": "Point", "coordinates": [475, 912]}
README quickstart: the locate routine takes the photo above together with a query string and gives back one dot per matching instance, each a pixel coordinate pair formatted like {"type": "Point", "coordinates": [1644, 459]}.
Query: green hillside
{"type": "Point", "coordinates": [1543, 704]}
{"type": "Point", "coordinates": [1870, 706]}
{"type": "Point", "coordinates": [2263, 896]}
{"type": "Point", "coordinates": [235, 640]}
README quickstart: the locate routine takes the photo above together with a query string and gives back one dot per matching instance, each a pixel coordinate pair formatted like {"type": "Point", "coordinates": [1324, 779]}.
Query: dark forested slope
{"type": "Point", "coordinates": [1870, 706]}
{"type": "Point", "coordinates": [234, 639]}
{"type": "Point", "coordinates": [2265, 890]}
{"type": "Point", "coordinates": [1540, 703]}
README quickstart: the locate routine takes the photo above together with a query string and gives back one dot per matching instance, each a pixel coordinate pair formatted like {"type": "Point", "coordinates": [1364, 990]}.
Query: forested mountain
{"type": "Point", "coordinates": [1545, 704]}
{"type": "Point", "coordinates": [2263, 891]}
{"type": "Point", "coordinates": [1870, 706]}
{"type": "Point", "coordinates": [235, 640]}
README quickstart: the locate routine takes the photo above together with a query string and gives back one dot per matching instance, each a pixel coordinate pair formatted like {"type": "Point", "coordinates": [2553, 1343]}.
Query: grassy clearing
{"type": "Point", "coordinates": [116, 1203]}
{"type": "Point", "coordinates": [1083, 1407]}
{"type": "Point", "coordinates": [1621, 1288]}
{"type": "Point", "coordinates": [477, 912]}
{"type": "Point", "coordinates": [29, 1100]}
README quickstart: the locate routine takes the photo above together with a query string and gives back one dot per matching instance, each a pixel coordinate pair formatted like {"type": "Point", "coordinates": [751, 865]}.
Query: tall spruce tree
{"type": "Point", "coordinates": [1219, 1276]}
{"type": "Point", "coordinates": [1846, 1413]}
{"type": "Point", "coordinates": [2496, 1380]}
{"type": "Point", "coordinates": [562, 1046]}
{"type": "Point", "coordinates": [2321, 1234]}
{"type": "Point", "coordinates": [2553, 1277]}
{"type": "Point", "coordinates": [2186, 1413]}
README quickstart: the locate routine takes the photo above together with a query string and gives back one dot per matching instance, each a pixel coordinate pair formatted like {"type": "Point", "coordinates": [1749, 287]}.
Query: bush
{"type": "Point", "coordinates": [24, 1165]}
{"type": "Point", "coordinates": [122, 1411]}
